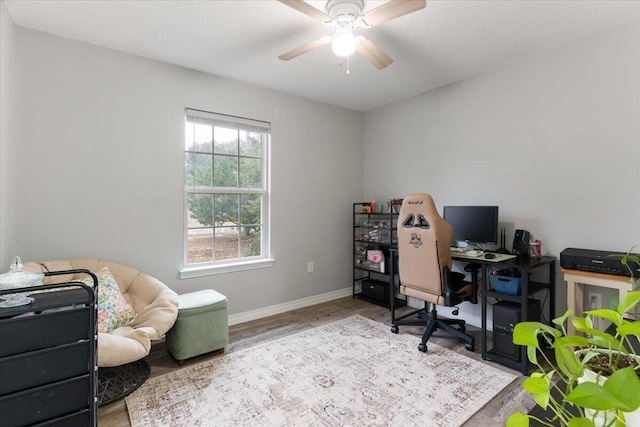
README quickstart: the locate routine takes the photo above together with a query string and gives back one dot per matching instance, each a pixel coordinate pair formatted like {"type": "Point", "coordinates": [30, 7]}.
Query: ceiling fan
{"type": "Point", "coordinates": [345, 16]}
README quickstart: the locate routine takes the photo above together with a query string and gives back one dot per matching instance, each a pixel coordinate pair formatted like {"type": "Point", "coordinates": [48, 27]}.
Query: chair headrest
{"type": "Point", "coordinates": [418, 209]}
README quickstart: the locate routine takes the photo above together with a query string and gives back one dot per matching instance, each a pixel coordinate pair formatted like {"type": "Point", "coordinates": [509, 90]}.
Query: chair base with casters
{"type": "Point", "coordinates": [432, 322]}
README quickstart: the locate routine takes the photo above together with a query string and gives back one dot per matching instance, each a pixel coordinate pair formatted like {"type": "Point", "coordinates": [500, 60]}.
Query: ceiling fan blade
{"type": "Point", "coordinates": [391, 10]}
{"type": "Point", "coordinates": [307, 9]}
{"type": "Point", "coordinates": [305, 48]}
{"type": "Point", "coordinates": [373, 53]}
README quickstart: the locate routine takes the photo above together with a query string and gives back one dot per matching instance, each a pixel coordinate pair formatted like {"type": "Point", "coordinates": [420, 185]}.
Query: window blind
{"type": "Point", "coordinates": [222, 120]}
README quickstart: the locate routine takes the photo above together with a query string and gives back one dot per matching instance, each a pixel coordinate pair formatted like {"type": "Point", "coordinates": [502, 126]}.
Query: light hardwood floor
{"type": "Point", "coordinates": [244, 335]}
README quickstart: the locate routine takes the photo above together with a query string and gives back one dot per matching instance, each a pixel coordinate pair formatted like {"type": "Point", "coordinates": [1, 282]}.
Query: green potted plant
{"type": "Point", "coordinates": [608, 394]}
{"type": "Point", "coordinates": [594, 377]}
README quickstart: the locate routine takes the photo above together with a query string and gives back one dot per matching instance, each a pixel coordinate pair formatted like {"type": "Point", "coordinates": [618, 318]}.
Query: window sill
{"type": "Point", "coordinates": [191, 272]}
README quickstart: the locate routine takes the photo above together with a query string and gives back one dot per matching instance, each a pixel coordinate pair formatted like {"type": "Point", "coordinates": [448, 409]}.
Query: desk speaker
{"type": "Point", "coordinates": [521, 242]}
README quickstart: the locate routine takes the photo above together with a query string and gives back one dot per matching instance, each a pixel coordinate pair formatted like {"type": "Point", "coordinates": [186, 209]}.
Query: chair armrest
{"type": "Point", "coordinates": [453, 289]}
{"type": "Point", "coordinates": [448, 294]}
{"type": "Point", "coordinates": [473, 268]}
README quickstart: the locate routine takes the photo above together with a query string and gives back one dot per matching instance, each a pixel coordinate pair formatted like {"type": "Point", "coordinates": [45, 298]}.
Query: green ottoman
{"type": "Point", "coordinates": [202, 325]}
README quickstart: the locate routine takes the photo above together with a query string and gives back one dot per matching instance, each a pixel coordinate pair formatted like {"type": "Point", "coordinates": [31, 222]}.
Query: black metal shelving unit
{"type": "Point", "coordinates": [374, 231]}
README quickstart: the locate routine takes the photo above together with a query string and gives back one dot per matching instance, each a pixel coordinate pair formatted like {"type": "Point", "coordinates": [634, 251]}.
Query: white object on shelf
{"type": "Point", "coordinates": [17, 278]}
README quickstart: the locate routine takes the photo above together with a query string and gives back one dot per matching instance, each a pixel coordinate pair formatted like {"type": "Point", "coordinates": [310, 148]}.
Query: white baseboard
{"type": "Point", "coordinates": [247, 316]}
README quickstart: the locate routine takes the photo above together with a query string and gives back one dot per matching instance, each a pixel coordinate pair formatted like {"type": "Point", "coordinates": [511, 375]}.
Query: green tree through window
{"type": "Point", "coordinates": [226, 197]}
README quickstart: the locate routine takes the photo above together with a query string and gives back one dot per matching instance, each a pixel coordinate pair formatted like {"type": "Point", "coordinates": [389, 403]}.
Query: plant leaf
{"type": "Point", "coordinates": [581, 323]}
{"type": "Point", "coordinates": [603, 339]}
{"type": "Point", "coordinates": [567, 361]}
{"type": "Point", "coordinates": [605, 313]}
{"type": "Point", "coordinates": [594, 396]}
{"type": "Point", "coordinates": [538, 385]}
{"type": "Point", "coordinates": [542, 399]}
{"type": "Point", "coordinates": [518, 419]}
{"type": "Point", "coordinates": [630, 328]}
{"type": "Point", "coordinates": [599, 338]}
{"type": "Point", "coordinates": [634, 258]}
{"type": "Point", "coordinates": [572, 341]}
{"type": "Point", "coordinates": [532, 355]}
{"type": "Point", "coordinates": [603, 343]}
{"type": "Point", "coordinates": [580, 422]}
{"type": "Point", "coordinates": [620, 391]}
{"type": "Point", "coordinates": [526, 333]}
{"type": "Point", "coordinates": [588, 354]}
{"type": "Point", "coordinates": [625, 386]}
{"type": "Point", "coordinates": [560, 320]}
{"type": "Point", "coordinates": [629, 301]}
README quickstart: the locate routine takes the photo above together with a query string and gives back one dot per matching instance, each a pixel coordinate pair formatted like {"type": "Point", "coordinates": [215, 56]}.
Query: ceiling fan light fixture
{"type": "Point", "coordinates": [345, 16]}
{"type": "Point", "coordinates": [344, 44]}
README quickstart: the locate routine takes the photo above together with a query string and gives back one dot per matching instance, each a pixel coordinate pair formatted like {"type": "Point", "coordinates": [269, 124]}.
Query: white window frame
{"type": "Point", "coordinates": [236, 264]}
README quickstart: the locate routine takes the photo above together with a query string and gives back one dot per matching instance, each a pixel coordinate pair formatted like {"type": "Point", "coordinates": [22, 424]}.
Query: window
{"type": "Point", "coordinates": [226, 193]}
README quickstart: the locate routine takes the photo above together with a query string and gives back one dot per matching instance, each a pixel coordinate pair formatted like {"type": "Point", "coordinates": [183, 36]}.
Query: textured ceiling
{"type": "Point", "coordinates": [445, 42]}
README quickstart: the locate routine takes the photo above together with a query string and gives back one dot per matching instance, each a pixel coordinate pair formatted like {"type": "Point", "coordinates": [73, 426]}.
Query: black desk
{"type": "Point", "coordinates": [528, 288]}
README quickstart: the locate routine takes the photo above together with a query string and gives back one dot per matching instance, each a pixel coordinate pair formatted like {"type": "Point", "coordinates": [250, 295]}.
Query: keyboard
{"type": "Point", "coordinates": [466, 251]}
{"type": "Point", "coordinates": [474, 253]}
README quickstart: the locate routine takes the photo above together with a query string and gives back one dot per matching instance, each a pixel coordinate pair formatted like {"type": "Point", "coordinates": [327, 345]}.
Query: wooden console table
{"type": "Point", "coordinates": [576, 281]}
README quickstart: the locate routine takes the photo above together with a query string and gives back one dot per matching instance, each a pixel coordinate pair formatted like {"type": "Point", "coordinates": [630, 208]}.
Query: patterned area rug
{"type": "Point", "coordinates": [352, 372]}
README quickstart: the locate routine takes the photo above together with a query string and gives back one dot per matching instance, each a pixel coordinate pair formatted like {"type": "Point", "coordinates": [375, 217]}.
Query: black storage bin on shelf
{"type": "Point", "coordinates": [507, 285]}
{"type": "Point", "coordinates": [20, 335]}
{"type": "Point", "coordinates": [376, 290]}
{"type": "Point", "coordinates": [46, 403]}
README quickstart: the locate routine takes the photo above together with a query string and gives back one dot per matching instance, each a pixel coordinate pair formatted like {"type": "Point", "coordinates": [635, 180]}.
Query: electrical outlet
{"type": "Point", "coordinates": [594, 301]}
{"type": "Point", "coordinates": [310, 266]}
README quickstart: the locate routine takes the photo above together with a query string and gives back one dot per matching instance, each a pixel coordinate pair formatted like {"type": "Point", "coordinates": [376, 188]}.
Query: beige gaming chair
{"type": "Point", "coordinates": [424, 256]}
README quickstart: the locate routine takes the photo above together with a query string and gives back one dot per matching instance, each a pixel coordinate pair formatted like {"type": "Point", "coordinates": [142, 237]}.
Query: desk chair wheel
{"type": "Point", "coordinates": [469, 347]}
{"type": "Point", "coordinates": [394, 329]}
{"type": "Point", "coordinates": [422, 347]}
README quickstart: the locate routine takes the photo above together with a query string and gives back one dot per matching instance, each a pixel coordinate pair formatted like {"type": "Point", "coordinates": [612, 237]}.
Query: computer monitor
{"type": "Point", "coordinates": [473, 224]}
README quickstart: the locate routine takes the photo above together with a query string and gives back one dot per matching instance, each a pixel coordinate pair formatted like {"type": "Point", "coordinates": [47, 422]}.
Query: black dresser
{"type": "Point", "coordinates": [48, 358]}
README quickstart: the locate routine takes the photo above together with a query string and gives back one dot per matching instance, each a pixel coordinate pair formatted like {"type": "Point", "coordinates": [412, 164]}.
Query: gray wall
{"type": "Point", "coordinates": [7, 55]}
{"type": "Point", "coordinates": [99, 169]}
{"type": "Point", "coordinates": [552, 139]}
{"type": "Point", "coordinates": [96, 139]}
